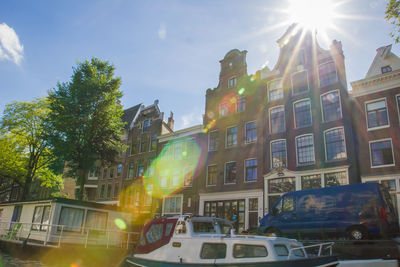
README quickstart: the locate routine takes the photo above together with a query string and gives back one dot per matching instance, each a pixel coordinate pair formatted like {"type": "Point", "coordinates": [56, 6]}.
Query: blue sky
{"type": "Point", "coordinates": [168, 49]}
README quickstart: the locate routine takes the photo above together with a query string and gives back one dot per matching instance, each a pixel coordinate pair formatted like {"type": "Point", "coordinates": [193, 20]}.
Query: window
{"type": "Point", "coordinates": [305, 149]}
{"type": "Point", "coordinates": [310, 181]}
{"type": "Point", "coordinates": [111, 172]}
{"type": "Point", "coordinates": [281, 185]}
{"type": "Point", "coordinates": [277, 119]}
{"type": "Point", "coordinates": [153, 144]}
{"type": "Point", "coordinates": [164, 179]}
{"type": "Point", "coordinates": [249, 251]}
{"type": "Point", "coordinates": [119, 169]}
{"type": "Point", "coordinates": [146, 125]}
{"type": "Point", "coordinates": [71, 218]}
{"type": "Point", "coordinates": [377, 115]}
{"type": "Point", "coordinates": [231, 136]}
{"type": "Point", "coordinates": [131, 171]}
{"type": "Point", "coordinates": [251, 170]}
{"type": "Point", "coordinates": [155, 233]}
{"type": "Point", "coordinates": [213, 141]}
{"type": "Point", "coordinates": [232, 82]}
{"type": "Point", "coordinates": [381, 153]}
{"type": "Point", "coordinates": [335, 146]}
{"type": "Point", "coordinates": [335, 178]}
{"type": "Point", "coordinates": [251, 132]}
{"type": "Point", "coordinates": [331, 108]}
{"type": "Point", "coordinates": [212, 175]}
{"type": "Point", "coordinates": [302, 113]}
{"type": "Point", "coordinates": [143, 145]}
{"type": "Point", "coordinates": [275, 90]}
{"type": "Point", "coordinates": [172, 205]}
{"type": "Point", "coordinates": [116, 190]}
{"type": "Point", "coordinates": [96, 219]}
{"type": "Point", "coordinates": [94, 172]}
{"type": "Point", "coordinates": [327, 74]}
{"type": "Point", "coordinates": [386, 69]}
{"type": "Point", "coordinates": [109, 191]}
{"type": "Point", "coordinates": [41, 218]}
{"type": "Point", "coordinates": [213, 251]}
{"type": "Point", "coordinates": [140, 169]}
{"type": "Point", "coordinates": [300, 82]}
{"type": "Point", "coordinates": [176, 178]}
{"type": "Point", "coordinates": [241, 104]}
{"type": "Point", "coordinates": [223, 109]}
{"type": "Point", "coordinates": [102, 188]}
{"type": "Point", "coordinates": [133, 148]}
{"type": "Point", "coordinates": [253, 213]}
{"type": "Point", "coordinates": [230, 172]}
{"type": "Point", "coordinates": [281, 250]}
{"type": "Point", "coordinates": [278, 154]}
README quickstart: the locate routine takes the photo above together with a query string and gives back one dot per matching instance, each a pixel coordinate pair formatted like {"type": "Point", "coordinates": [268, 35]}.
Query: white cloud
{"type": "Point", "coordinates": [10, 47]}
{"type": "Point", "coordinates": [190, 119]}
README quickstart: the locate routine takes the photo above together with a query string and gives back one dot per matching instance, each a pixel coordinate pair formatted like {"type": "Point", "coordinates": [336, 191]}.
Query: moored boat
{"type": "Point", "coordinates": [204, 241]}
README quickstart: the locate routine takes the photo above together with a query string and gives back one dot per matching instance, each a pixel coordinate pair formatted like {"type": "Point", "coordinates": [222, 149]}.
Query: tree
{"type": "Point", "coordinates": [86, 117]}
{"type": "Point", "coordinates": [392, 15]}
{"type": "Point", "coordinates": [24, 141]}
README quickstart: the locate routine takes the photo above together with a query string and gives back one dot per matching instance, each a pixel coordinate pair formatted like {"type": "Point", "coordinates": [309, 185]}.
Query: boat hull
{"type": "Point", "coordinates": [320, 261]}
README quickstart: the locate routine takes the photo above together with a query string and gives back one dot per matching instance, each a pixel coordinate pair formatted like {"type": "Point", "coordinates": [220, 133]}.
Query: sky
{"type": "Point", "coordinates": [168, 49]}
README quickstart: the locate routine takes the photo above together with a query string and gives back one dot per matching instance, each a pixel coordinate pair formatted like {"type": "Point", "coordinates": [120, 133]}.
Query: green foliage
{"type": "Point", "coordinates": [392, 15]}
{"type": "Point", "coordinates": [86, 117]}
{"type": "Point", "coordinates": [12, 162]}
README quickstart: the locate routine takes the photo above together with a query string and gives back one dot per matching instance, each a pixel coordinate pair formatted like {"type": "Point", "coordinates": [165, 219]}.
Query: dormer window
{"type": "Point", "coordinates": [232, 82]}
{"type": "Point", "coordinates": [386, 69]}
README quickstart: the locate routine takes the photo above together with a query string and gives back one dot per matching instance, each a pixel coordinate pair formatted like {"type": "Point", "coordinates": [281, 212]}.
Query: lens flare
{"type": "Point", "coordinates": [241, 91]}
{"type": "Point", "coordinates": [120, 223]}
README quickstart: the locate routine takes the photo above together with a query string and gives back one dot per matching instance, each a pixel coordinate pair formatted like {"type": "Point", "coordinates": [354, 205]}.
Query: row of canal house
{"type": "Point", "coordinates": [294, 127]}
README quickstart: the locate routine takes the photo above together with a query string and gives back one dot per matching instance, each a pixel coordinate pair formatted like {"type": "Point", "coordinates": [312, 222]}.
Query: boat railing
{"type": "Point", "coordinates": [322, 247]}
{"type": "Point", "coordinates": [56, 235]}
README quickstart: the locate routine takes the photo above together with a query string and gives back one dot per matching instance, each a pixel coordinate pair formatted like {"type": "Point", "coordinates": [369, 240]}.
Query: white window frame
{"type": "Point", "coordinates": [297, 158]}
{"type": "Point", "coordinates": [226, 136]}
{"type": "Point", "coordinates": [340, 104]}
{"type": "Point", "coordinates": [366, 114]}
{"type": "Point", "coordinates": [209, 133]}
{"type": "Point", "coordinates": [244, 171]}
{"type": "Point", "coordinates": [270, 152]}
{"type": "Point", "coordinates": [370, 153]}
{"type": "Point", "coordinates": [238, 99]}
{"type": "Point", "coordinates": [398, 108]}
{"type": "Point", "coordinates": [269, 86]}
{"type": "Point", "coordinates": [319, 75]}
{"type": "Point", "coordinates": [345, 146]}
{"type": "Point", "coordinates": [229, 81]}
{"type": "Point", "coordinates": [173, 196]}
{"type": "Point", "coordinates": [294, 112]}
{"type": "Point", "coordinates": [284, 119]}
{"type": "Point", "coordinates": [148, 126]}
{"type": "Point", "coordinates": [308, 82]}
{"type": "Point", "coordinates": [209, 185]}
{"type": "Point", "coordinates": [225, 183]}
{"type": "Point", "coordinates": [245, 133]}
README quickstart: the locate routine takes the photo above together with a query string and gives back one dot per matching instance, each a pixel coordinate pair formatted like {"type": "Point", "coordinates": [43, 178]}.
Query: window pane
{"type": "Point", "coordinates": [231, 136]}
{"type": "Point", "coordinates": [96, 220]}
{"type": "Point", "coordinates": [300, 82]}
{"type": "Point", "coordinates": [331, 106]}
{"type": "Point", "coordinates": [335, 178]}
{"type": "Point", "coordinates": [45, 218]}
{"type": "Point", "coordinates": [37, 218]}
{"type": "Point", "coordinates": [131, 171]}
{"type": "Point", "coordinates": [154, 233]}
{"type": "Point", "coordinates": [251, 170]}
{"type": "Point", "coordinates": [71, 218]}
{"type": "Point", "coordinates": [277, 120]}
{"type": "Point", "coordinates": [212, 175]}
{"type": "Point", "coordinates": [305, 149]}
{"type": "Point", "coordinates": [249, 251]}
{"type": "Point", "coordinates": [335, 145]}
{"type": "Point", "coordinates": [223, 109]}
{"type": "Point", "coordinates": [310, 181]}
{"type": "Point", "coordinates": [213, 141]}
{"type": "Point", "coordinates": [381, 153]}
{"type": "Point", "coordinates": [302, 111]}
{"type": "Point", "coordinates": [251, 132]}
{"type": "Point", "coordinates": [275, 90]}
{"type": "Point", "coordinates": [230, 172]}
{"type": "Point", "coordinates": [241, 104]}
{"type": "Point", "coordinates": [213, 251]}
{"type": "Point", "coordinates": [281, 185]}
{"type": "Point", "coordinates": [278, 153]}
{"type": "Point", "coordinates": [327, 74]}
{"type": "Point", "coordinates": [377, 114]}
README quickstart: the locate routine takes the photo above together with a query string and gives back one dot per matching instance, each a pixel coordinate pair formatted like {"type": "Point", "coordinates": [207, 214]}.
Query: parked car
{"type": "Point", "coordinates": [357, 211]}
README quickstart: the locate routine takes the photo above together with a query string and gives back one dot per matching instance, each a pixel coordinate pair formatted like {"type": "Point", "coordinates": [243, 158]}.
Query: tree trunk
{"type": "Point", "coordinates": [27, 187]}
{"type": "Point", "coordinates": [81, 182]}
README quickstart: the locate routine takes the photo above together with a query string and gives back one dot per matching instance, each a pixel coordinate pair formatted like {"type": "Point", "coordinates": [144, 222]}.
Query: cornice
{"type": "Point", "coordinates": [376, 83]}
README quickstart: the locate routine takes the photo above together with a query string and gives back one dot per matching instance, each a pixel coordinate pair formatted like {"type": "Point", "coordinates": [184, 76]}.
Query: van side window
{"type": "Point", "coordinates": [288, 203]}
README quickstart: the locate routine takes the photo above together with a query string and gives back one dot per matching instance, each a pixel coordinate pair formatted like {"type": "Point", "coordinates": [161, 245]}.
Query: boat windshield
{"type": "Point", "coordinates": [203, 227]}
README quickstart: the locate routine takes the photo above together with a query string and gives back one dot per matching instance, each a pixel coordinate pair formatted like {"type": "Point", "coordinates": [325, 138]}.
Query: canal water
{"type": "Point", "coordinates": [6, 260]}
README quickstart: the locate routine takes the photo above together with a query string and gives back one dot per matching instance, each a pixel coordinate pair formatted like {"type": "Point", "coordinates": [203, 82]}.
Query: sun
{"type": "Point", "coordinates": [315, 15]}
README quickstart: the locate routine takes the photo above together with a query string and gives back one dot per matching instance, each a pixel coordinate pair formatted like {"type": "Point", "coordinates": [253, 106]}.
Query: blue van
{"type": "Point", "coordinates": [357, 211]}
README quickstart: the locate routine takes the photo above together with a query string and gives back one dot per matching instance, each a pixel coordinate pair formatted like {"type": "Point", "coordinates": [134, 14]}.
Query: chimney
{"type": "Point", "coordinates": [171, 121]}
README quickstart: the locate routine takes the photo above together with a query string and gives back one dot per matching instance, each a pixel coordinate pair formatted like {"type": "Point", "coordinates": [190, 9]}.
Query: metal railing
{"type": "Point", "coordinates": [320, 247]}
{"type": "Point", "coordinates": [56, 235]}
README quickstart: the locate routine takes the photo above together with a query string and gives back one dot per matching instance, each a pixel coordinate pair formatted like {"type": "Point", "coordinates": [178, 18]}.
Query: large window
{"type": "Point", "coordinates": [327, 73]}
{"type": "Point", "coordinates": [310, 181]}
{"type": "Point", "coordinates": [230, 172]}
{"type": "Point", "coordinates": [275, 90]}
{"type": "Point", "coordinates": [241, 104]}
{"type": "Point", "coordinates": [251, 170]}
{"type": "Point", "coordinates": [212, 175]}
{"type": "Point", "coordinates": [381, 153]}
{"type": "Point", "coordinates": [41, 218]}
{"type": "Point", "coordinates": [278, 186]}
{"type": "Point", "coordinates": [377, 115]}
{"type": "Point", "coordinates": [172, 205]}
{"type": "Point", "coordinates": [251, 132]}
{"type": "Point", "coordinates": [278, 154]}
{"type": "Point", "coordinates": [277, 119]}
{"type": "Point", "coordinates": [335, 178]}
{"type": "Point", "coordinates": [96, 220]}
{"type": "Point", "coordinates": [213, 141]}
{"type": "Point", "coordinates": [146, 125]}
{"type": "Point", "coordinates": [305, 149]}
{"type": "Point", "coordinates": [231, 136]}
{"type": "Point", "coordinates": [300, 82]}
{"type": "Point", "coordinates": [71, 218]}
{"type": "Point", "coordinates": [331, 108]}
{"type": "Point", "coordinates": [223, 109]}
{"type": "Point", "coordinates": [302, 113]}
{"type": "Point", "coordinates": [131, 171]}
{"type": "Point", "coordinates": [335, 145]}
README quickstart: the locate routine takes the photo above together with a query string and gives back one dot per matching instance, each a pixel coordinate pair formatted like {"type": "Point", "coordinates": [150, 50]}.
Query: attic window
{"type": "Point", "coordinates": [232, 82]}
{"type": "Point", "coordinates": [386, 69]}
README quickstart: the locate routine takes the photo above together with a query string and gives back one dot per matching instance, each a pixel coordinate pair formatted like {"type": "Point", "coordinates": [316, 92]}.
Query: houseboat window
{"type": "Point", "coordinates": [155, 233]}
{"type": "Point", "coordinates": [281, 250]}
{"type": "Point", "coordinates": [213, 251]}
{"type": "Point", "coordinates": [249, 251]}
{"type": "Point", "coordinates": [71, 218]}
{"type": "Point", "coordinates": [203, 227]}
{"type": "Point", "coordinates": [168, 228]}
{"type": "Point", "coordinates": [96, 219]}
{"type": "Point", "coordinates": [41, 216]}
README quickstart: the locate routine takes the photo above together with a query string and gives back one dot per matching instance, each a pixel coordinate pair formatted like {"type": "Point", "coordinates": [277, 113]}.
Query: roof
{"type": "Point", "coordinates": [384, 57]}
{"type": "Point", "coordinates": [129, 115]}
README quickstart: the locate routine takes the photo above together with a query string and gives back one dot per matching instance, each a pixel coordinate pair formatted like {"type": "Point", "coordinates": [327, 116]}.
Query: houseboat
{"type": "Point", "coordinates": [205, 241]}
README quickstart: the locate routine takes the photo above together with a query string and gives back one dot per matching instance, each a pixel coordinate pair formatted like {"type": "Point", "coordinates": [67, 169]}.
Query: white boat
{"type": "Point", "coordinates": [204, 241]}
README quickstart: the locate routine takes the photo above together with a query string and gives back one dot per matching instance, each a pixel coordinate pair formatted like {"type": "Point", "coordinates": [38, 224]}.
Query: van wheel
{"type": "Point", "coordinates": [272, 231]}
{"type": "Point", "coordinates": [357, 233]}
